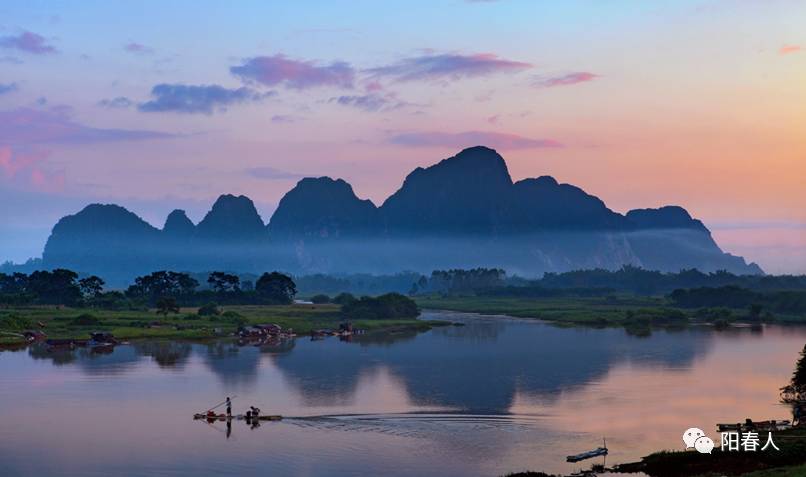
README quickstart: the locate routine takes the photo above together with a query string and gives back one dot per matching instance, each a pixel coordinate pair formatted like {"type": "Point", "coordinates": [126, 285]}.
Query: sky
{"type": "Point", "coordinates": [161, 105]}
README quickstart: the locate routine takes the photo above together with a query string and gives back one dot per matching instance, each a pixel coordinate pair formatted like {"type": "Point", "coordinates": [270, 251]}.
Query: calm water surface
{"type": "Point", "coordinates": [496, 396]}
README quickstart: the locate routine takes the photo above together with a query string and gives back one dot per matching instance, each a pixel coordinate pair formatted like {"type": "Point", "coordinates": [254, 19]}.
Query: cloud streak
{"type": "Point", "coordinates": [28, 42]}
{"type": "Point", "coordinates": [789, 49]}
{"type": "Point", "coordinates": [448, 67]}
{"type": "Point", "coordinates": [270, 173]}
{"type": "Point", "coordinates": [120, 102]}
{"type": "Point", "coordinates": [137, 48]}
{"type": "Point", "coordinates": [371, 102]}
{"type": "Point", "coordinates": [565, 80]}
{"type": "Point", "coordinates": [462, 140]}
{"type": "Point", "coordinates": [296, 74]}
{"type": "Point", "coordinates": [33, 127]}
{"type": "Point", "coordinates": [198, 99]}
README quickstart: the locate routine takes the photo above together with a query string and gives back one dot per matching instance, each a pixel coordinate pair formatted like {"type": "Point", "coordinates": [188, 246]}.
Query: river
{"type": "Point", "coordinates": [497, 395]}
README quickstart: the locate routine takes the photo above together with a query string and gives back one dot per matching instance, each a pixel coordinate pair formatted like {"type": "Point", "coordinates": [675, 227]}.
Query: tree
{"type": "Point", "coordinates": [754, 311]}
{"type": "Point", "coordinates": [384, 307]}
{"type": "Point", "coordinates": [344, 299]}
{"type": "Point", "coordinates": [58, 287]}
{"type": "Point", "coordinates": [320, 299]}
{"type": "Point", "coordinates": [91, 286]}
{"type": "Point", "coordinates": [795, 391]}
{"type": "Point", "coordinates": [275, 288]}
{"type": "Point", "coordinates": [161, 284]}
{"type": "Point", "coordinates": [222, 282]}
{"type": "Point", "coordinates": [210, 309]}
{"type": "Point", "coordinates": [167, 304]}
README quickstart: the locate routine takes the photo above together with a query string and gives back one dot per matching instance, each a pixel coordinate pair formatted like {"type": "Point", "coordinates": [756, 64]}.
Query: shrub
{"type": "Point", "coordinates": [384, 307]}
{"type": "Point", "coordinates": [234, 317]}
{"type": "Point", "coordinates": [320, 299]}
{"type": "Point", "coordinates": [85, 319]}
{"type": "Point", "coordinates": [15, 321]}
{"type": "Point", "coordinates": [344, 299]}
{"type": "Point", "coordinates": [210, 309]}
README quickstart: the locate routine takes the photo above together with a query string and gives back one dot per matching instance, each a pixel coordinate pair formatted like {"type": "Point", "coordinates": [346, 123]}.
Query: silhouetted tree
{"type": "Point", "coordinates": [222, 282]}
{"type": "Point", "coordinates": [161, 284]}
{"type": "Point", "coordinates": [795, 391]}
{"type": "Point", "coordinates": [167, 304]}
{"type": "Point", "coordinates": [58, 287]}
{"type": "Point", "coordinates": [275, 288]}
{"type": "Point", "coordinates": [384, 307]}
{"type": "Point", "coordinates": [91, 286]}
{"type": "Point", "coordinates": [320, 299]}
{"type": "Point", "coordinates": [344, 299]}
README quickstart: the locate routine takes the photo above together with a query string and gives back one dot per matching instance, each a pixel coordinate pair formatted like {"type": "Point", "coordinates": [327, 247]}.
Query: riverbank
{"type": "Point", "coordinates": [789, 461]}
{"type": "Point", "coordinates": [187, 324]}
{"type": "Point", "coordinates": [637, 314]}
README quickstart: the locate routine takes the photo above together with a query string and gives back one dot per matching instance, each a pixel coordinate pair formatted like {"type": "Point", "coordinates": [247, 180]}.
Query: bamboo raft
{"type": "Point", "coordinates": [238, 417]}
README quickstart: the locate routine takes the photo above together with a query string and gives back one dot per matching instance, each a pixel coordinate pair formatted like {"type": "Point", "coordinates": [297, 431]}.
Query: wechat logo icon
{"type": "Point", "coordinates": [695, 438]}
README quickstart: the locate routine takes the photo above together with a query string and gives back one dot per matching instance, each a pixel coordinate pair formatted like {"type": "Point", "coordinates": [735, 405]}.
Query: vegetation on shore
{"type": "Point", "coordinates": [636, 313]}
{"type": "Point", "coordinates": [187, 323]}
{"type": "Point", "coordinates": [168, 304]}
{"type": "Point", "coordinates": [690, 463]}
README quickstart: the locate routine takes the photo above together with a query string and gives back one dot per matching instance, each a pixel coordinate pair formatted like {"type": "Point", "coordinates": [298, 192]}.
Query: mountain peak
{"type": "Point", "coordinates": [459, 194]}
{"type": "Point", "coordinates": [666, 217]}
{"type": "Point", "coordinates": [178, 224]}
{"type": "Point", "coordinates": [232, 218]}
{"type": "Point", "coordinates": [320, 208]}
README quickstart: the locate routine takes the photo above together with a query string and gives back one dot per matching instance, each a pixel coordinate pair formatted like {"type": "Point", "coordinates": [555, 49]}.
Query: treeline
{"type": "Point", "coordinates": [596, 282]}
{"type": "Point", "coordinates": [458, 281]}
{"type": "Point", "coordinates": [788, 301]}
{"type": "Point", "coordinates": [168, 290]}
{"type": "Point", "coordinates": [647, 282]}
{"type": "Point", "coordinates": [164, 288]}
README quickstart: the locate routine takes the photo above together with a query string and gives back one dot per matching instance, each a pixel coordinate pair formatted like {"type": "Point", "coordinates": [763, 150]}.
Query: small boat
{"type": "Point", "coordinates": [588, 454]}
{"type": "Point", "coordinates": [239, 417]}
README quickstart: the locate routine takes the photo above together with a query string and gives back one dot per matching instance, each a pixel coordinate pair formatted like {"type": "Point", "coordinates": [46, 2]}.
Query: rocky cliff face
{"type": "Point", "coordinates": [462, 212]}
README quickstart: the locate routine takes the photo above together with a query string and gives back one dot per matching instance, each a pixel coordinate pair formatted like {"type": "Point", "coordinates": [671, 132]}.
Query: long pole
{"type": "Point", "coordinates": [221, 403]}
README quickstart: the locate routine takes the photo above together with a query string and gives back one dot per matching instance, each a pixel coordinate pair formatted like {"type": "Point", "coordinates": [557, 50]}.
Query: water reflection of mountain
{"type": "Point", "coordinates": [233, 365]}
{"type": "Point", "coordinates": [107, 362]}
{"type": "Point", "coordinates": [167, 354]}
{"type": "Point", "coordinates": [479, 367]}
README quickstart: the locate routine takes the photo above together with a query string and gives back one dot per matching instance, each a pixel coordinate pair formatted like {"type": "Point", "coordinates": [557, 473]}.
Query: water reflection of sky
{"type": "Point", "coordinates": [422, 404]}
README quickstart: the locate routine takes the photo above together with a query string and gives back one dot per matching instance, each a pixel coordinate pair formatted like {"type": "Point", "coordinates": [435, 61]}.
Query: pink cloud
{"type": "Point", "coordinates": [461, 140]}
{"type": "Point", "coordinates": [566, 80]}
{"type": "Point", "coordinates": [25, 170]}
{"type": "Point", "coordinates": [373, 86]}
{"type": "Point", "coordinates": [28, 42]}
{"type": "Point", "coordinates": [448, 66]}
{"type": "Point", "coordinates": [788, 49]}
{"type": "Point", "coordinates": [298, 74]}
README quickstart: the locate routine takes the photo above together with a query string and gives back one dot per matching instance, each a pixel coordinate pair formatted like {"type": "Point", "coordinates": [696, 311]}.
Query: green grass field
{"type": "Point", "coordinates": [583, 311]}
{"type": "Point", "coordinates": [617, 310]}
{"type": "Point", "coordinates": [60, 322]}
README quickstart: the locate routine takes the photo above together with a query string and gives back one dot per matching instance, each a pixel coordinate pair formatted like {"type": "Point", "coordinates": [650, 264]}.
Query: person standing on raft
{"type": "Point", "coordinates": [229, 406]}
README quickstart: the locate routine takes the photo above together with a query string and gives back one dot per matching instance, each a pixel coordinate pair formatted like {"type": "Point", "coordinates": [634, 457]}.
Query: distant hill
{"type": "Point", "coordinates": [462, 212]}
